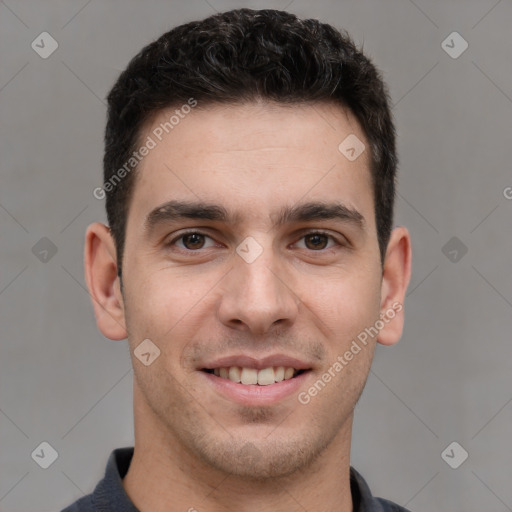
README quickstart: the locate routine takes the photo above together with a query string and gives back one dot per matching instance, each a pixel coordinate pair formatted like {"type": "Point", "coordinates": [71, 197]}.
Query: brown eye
{"type": "Point", "coordinates": [193, 241]}
{"type": "Point", "coordinates": [189, 242]}
{"type": "Point", "coordinates": [316, 241]}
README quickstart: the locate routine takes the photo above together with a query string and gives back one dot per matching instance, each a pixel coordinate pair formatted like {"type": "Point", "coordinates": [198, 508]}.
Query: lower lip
{"type": "Point", "coordinates": [255, 394]}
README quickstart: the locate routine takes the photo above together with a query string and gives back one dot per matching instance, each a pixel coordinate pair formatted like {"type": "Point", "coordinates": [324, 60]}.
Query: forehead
{"type": "Point", "coordinates": [254, 158]}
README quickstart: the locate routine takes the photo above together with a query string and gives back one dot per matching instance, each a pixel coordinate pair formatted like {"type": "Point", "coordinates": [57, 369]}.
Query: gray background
{"type": "Point", "coordinates": [449, 379]}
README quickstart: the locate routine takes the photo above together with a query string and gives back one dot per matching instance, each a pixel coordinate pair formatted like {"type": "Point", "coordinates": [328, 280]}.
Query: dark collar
{"type": "Point", "coordinates": [110, 495]}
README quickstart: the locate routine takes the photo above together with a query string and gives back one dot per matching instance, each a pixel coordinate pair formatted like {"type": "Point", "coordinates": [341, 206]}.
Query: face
{"type": "Point", "coordinates": [251, 252]}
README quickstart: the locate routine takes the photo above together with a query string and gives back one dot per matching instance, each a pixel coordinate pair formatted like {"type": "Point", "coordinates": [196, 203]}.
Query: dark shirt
{"type": "Point", "coordinates": [110, 496]}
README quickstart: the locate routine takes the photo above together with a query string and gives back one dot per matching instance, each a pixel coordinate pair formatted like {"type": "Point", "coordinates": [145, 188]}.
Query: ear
{"type": "Point", "coordinates": [395, 280]}
{"type": "Point", "coordinates": [100, 263]}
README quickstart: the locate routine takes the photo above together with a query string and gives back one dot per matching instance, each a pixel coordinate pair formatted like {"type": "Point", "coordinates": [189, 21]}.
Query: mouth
{"type": "Point", "coordinates": [253, 377]}
{"type": "Point", "coordinates": [256, 381]}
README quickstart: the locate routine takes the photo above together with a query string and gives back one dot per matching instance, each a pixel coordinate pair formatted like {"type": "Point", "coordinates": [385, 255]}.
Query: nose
{"type": "Point", "coordinates": [257, 296]}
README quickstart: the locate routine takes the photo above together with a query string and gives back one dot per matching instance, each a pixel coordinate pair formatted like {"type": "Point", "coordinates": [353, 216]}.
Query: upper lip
{"type": "Point", "coordinates": [244, 361]}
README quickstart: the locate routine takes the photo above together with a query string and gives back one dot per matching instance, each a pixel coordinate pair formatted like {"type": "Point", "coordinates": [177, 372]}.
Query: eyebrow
{"type": "Point", "coordinates": [177, 210]}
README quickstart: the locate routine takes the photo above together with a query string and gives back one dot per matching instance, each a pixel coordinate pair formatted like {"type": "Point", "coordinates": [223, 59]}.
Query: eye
{"type": "Point", "coordinates": [191, 241]}
{"type": "Point", "coordinates": [318, 241]}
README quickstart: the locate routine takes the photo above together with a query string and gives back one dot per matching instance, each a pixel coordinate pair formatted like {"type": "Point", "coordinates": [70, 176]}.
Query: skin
{"type": "Point", "coordinates": [197, 299]}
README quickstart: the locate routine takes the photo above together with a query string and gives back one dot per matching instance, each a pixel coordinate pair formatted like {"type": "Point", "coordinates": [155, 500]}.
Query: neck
{"type": "Point", "coordinates": [165, 476]}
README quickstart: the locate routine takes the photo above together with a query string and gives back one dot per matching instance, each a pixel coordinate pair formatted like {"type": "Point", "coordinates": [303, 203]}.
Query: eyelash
{"type": "Point", "coordinates": [195, 232]}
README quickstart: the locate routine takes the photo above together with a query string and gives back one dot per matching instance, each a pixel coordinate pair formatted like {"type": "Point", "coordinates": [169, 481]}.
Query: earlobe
{"type": "Point", "coordinates": [103, 282]}
{"type": "Point", "coordinates": [395, 280]}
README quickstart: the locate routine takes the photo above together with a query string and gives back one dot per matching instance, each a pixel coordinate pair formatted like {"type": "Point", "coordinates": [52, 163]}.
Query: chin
{"type": "Point", "coordinates": [261, 459]}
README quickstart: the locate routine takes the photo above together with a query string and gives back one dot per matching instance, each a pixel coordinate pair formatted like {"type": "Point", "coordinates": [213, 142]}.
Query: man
{"type": "Point", "coordinates": [250, 260]}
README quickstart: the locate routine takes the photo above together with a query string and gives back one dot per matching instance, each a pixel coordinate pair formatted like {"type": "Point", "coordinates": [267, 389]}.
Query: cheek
{"type": "Point", "coordinates": [166, 307]}
{"type": "Point", "coordinates": [347, 304]}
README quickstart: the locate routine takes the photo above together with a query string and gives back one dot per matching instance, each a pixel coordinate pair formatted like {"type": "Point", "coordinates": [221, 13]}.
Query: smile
{"type": "Point", "coordinates": [255, 377]}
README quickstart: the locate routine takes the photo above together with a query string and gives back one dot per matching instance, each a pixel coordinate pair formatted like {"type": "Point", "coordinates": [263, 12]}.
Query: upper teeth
{"type": "Point", "coordinates": [252, 376]}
